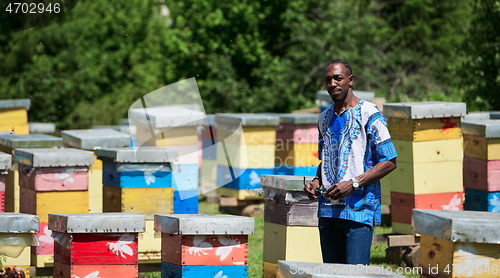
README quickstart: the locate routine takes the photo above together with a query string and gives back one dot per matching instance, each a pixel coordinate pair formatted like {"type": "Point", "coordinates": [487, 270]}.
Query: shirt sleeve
{"type": "Point", "coordinates": [379, 138]}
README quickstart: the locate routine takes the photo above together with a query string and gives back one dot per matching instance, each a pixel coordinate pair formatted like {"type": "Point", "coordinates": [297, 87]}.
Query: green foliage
{"type": "Point", "coordinates": [87, 67]}
{"type": "Point", "coordinates": [481, 71]}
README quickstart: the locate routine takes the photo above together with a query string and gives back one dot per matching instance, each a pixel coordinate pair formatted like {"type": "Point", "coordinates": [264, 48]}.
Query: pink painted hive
{"type": "Point", "coordinates": [481, 174]}
{"type": "Point", "coordinates": [54, 178]}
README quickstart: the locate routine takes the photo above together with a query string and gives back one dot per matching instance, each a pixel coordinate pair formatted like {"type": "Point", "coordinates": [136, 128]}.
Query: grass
{"type": "Point", "coordinates": [256, 246]}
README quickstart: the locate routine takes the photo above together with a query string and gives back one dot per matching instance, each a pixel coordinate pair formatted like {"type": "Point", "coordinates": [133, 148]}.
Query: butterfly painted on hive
{"type": "Point", "coordinates": [199, 245]}
{"type": "Point", "coordinates": [122, 247]}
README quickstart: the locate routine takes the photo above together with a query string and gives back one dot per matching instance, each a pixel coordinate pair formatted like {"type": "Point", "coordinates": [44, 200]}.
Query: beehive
{"type": "Point", "coordinates": [290, 222]}
{"type": "Point", "coordinates": [10, 142]}
{"type": "Point", "coordinates": [428, 139]}
{"type": "Point", "coordinates": [14, 115]}
{"type": "Point", "coordinates": [204, 245]}
{"type": "Point", "coordinates": [98, 244]}
{"type": "Point", "coordinates": [458, 243]}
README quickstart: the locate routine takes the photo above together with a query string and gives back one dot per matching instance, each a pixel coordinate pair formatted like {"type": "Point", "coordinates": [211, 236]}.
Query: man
{"type": "Point", "coordinates": [356, 151]}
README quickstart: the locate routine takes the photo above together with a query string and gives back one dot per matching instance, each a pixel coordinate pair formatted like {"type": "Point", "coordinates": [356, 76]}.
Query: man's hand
{"type": "Point", "coordinates": [339, 190]}
{"type": "Point", "coordinates": [310, 189]}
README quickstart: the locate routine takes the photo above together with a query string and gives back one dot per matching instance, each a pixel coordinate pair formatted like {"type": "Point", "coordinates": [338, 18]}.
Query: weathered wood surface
{"type": "Point", "coordinates": [424, 129]}
{"type": "Point", "coordinates": [482, 148]}
{"type": "Point", "coordinates": [301, 213]}
{"type": "Point", "coordinates": [482, 174]}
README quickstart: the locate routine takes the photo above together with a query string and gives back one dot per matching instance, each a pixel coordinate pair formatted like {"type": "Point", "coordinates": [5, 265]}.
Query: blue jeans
{"type": "Point", "coordinates": [345, 241]}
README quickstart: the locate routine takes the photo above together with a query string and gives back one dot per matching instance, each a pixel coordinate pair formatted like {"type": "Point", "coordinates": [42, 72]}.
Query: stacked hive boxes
{"type": "Point", "coordinates": [204, 245]}
{"type": "Point", "coordinates": [324, 100]}
{"type": "Point", "coordinates": [290, 222]}
{"type": "Point", "coordinates": [5, 165]}
{"type": "Point", "coordinates": [96, 244]}
{"type": "Point", "coordinates": [297, 145]}
{"type": "Point", "coordinates": [10, 142]}
{"type": "Point", "coordinates": [245, 151]}
{"type": "Point", "coordinates": [14, 116]}
{"type": "Point", "coordinates": [482, 165]}
{"type": "Point", "coordinates": [458, 243]}
{"type": "Point", "coordinates": [139, 181]}
{"type": "Point", "coordinates": [52, 181]}
{"type": "Point", "coordinates": [92, 139]}
{"type": "Point", "coordinates": [428, 140]}
{"type": "Point", "coordinates": [176, 128]}
{"type": "Point", "coordinates": [16, 234]}
{"type": "Point", "coordinates": [208, 177]}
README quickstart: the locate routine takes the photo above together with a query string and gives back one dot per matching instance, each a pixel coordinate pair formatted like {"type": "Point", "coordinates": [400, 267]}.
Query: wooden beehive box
{"type": "Point", "coordinates": [14, 115]}
{"type": "Point", "coordinates": [424, 121]}
{"type": "Point", "coordinates": [201, 244]}
{"type": "Point", "coordinates": [5, 166]}
{"type": "Point", "coordinates": [458, 243]}
{"type": "Point", "coordinates": [286, 203]}
{"type": "Point", "coordinates": [16, 234]}
{"type": "Point", "coordinates": [105, 244]}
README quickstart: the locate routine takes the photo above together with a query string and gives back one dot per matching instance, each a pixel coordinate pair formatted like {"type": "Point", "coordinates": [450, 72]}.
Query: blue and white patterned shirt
{"type": "Point", "coordinates": [350, 144]}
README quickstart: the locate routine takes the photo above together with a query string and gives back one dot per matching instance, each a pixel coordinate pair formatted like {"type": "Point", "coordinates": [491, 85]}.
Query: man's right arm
{"type": "Point", "coordinates": [311, 187]}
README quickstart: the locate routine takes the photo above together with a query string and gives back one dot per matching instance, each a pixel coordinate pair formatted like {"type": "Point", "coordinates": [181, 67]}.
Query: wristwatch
{"type": "Point", "coordinates": [355, 183]}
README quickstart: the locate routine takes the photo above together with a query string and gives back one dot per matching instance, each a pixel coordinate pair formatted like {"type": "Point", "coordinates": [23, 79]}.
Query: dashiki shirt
{"type": "Point", "coordinates": [350, 144]}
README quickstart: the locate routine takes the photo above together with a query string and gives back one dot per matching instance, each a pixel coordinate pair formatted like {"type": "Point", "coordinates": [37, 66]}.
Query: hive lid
{"type": "Point", "coordinates": [11, 222]}
{"type": "Point", "coordinates": [60, 157]}
{"type": "Point", "coordinates": [323, 95]}
{"type": "Point", "coordinates": [299, 118]}
{"type": "Point", "coordinates": [42, 127]}
{"type": "Point", "coordinates": [97, 223]}
{"type": "Point", "coordinates": [484, 128]}
{"type": "Point", "coordinates": [5, 161]}
{"type": "Point", "coordinates": [30, 141]}
{"type": "Point", "coordinates": [481, 116]}
{"type": "Point", "coordinates": [204, 224]}
{"type": "Point", "coordinates": [285, 182]}
{"type": "Point", "coordinates": [425, 109]}
{"type": "Point", "coordinates": [146, 154]}
{"type": "Point", "coordinates": [461, 226]}
{"type": "Point", "coordinates": [15, 103]}
{"type": "Point", "coordinates": [91, 139]}
{"type": "Point", "coordinates": [247, 119]}
{"type": "Point", "coordinates": [167, 116]}
{"type": "Point", "coordinates": [289, 269]}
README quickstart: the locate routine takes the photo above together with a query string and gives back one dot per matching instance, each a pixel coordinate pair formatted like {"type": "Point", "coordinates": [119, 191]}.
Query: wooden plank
{"type": "Point", "coordinates": [482, 148]}
{"type": "Point", "coordinates": [424, 129]}
{"type": "Point", "coordinates": [246, 156]}
{"type": "Point", "coordinates": [101, 271]}
{"type": "Point", "coordinates": [481, 174]}
{"type": "Point", "coordinates": [291, 243]}
{"type": "Point", "coordinates": [205, 249]}
{"type": "Point", "coordinates": [19, 129]}
{"type": "Point", "coordinates": [302, 213]}
{"type": "Point", "coordinates": [429, 151]}
{"type": "Point", "coordinates": [95, 190]}
{"type": "Point", "coordinates": [252, 135]}
{"type": "Point", "coordinates": [297, 133]}
{"type": "Point", "coordinates": [172, 136]}
{"type": "Point", "coordinates": [403, 203]}
{"type": "Point", "coordinates": [89, 249]}
{"type": "Point", "coordinates": [149, 241]}
{"type": "Point", "coordinates": [14, 116]}
{"type": "Point", "coordinates": [298, 154]}
{"type": "Point", "coordinates": [402, 240]}
{"type": "Point", "coordinates": [132, 200]}
{"type": "Point", "coordinates": [196, 271]}
{"type": "Point", "coordinates": [44, 202]}
{"type": "Point", "coordinates": [41, 261]}
{"type": "Point", "coordinates": [54, 178]}
{"type": "Point", "coordinates": [425, 178]}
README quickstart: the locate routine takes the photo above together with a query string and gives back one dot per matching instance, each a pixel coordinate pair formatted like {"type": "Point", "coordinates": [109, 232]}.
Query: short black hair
{"type": "Point", "coordinates": [340, 61]}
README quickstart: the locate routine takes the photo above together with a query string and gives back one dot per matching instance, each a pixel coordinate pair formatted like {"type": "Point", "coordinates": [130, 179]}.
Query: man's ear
{"type": "Point", "coordinates": [351, 80]}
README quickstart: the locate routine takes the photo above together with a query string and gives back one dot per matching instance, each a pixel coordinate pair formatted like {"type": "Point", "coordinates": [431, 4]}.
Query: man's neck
{"type": "Point", "coordinates": [348, 102]}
